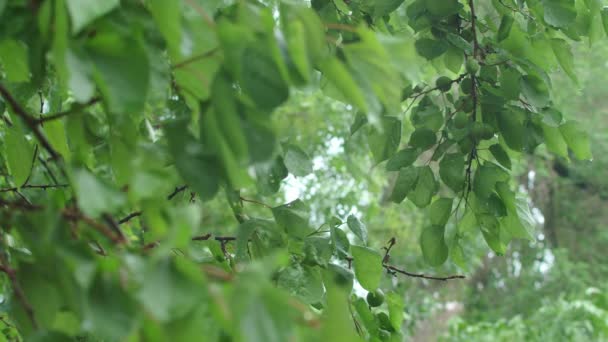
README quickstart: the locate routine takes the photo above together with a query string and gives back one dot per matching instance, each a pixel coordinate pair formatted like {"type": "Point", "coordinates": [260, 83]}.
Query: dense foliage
{"type": "Point", "coordinates": [149, 147]}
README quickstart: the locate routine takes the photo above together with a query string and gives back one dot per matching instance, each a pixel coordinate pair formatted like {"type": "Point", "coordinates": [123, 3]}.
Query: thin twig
{"type": "Point", "coordinates": [30, 121]}
{"type": "Point", "coordinates": [129, 217]}
{"type": "Point", "coordinates": [256, 202]}
{"type": "Point", "coordinates": [474, 29]}
{"type": "Point", "coordinates": [21, 205]}
{"type": "Point", "coordinates": [35, 186]}
{"type": "Point", "coordinates": [76, 215]}
{"type": "Point", "coordinates": [394, 269]}
{"type": "Point", "coordinates": [29, 175]}
{"type": "Point", "coordinates": [12, 276]}
{"type": "Point", "coordinates": [74, 109]}
{"type": "Point", "coordinates": [177, 190]}
{"type": "Point", "coordinates": [195, 58]}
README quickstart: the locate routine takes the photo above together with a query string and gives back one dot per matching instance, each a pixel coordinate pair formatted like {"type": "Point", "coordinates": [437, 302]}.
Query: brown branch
{"type": "Point", "coordinates": [29, 175]}
{"type": "Point", "coordinates": [114, 225]}
{"type": "Point", "coordinates": [12, 276]}
{"type": "Point", "coordinates": [392, 269]}
{"type": "Point", "coordinates": [195, 58]}
{"type": "Point", "coordinates": [74, 109]}
{"type": "Point", "coordinates": [474, 29]}
{"type": "Point", "coordinates": [254, 201]}
{"type": "Point", "coordinates": [129, 217]}
{"type": "Point", "coordinates": [35, 186]}
{"type": "Point", "coordinates": [202, 237]}
{"type": "Point", "coordinates": [177, 190]}
{"type": "Point", "coordinates": [75, 215]}
{"type": "Point", "coordinates": [387, 249]}
{"type": "Point", "coordinates": [21, 205]}
{"type": "Point", "coordinates": [30, 121]}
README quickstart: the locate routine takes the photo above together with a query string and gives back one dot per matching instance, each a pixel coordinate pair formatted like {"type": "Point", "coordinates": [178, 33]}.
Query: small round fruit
{"type": "Point", "coordinates": [375, 298]}
{"type": "Point", "coordinates": [443, 83]}
{"type": "Point", "coordinates": [460, 120]}
{"type": "Point", "coordinates": [384, 321]}
{"type": "Point", "coordinates": [472, 66]}
{"type": "Point", "coordinates": [466, 85]}
{"type": "Point", "coordinates": [481, 131]}
{"type": "Point", "coordinates": [465, 145]}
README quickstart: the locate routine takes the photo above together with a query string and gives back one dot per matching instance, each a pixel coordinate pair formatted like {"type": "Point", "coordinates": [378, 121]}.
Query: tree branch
{"type": "Point", "coordinates": [30, 122]}
{"type": "Point", "coordinates": [177, 190]}
{"type": "Point", "coordinates": [35, 186]}
{"type": "Point", "coordinates": [129, 217]}
{"type": "Point", "coordinates": [74, 109]}
{"type": "Point", "coordinates": [392, 269]}
{"type": "Point", "coordinates": [12, 276]}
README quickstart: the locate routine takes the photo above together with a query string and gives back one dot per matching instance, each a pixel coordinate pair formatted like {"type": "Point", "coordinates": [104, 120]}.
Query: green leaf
{"type": "Point", "coordinates": [19, 155]}
{"type": "Point", "coordinates": [357, 227]}
{"type": "Point", "coordinates": [430, 48]}
{"type": "Point", "coordinates": [460, 43]}
{"type": "Point", "coordinates": [486, 177]}
{"type": "Point", "coordinates": [14, 59]}
{"type": "Point", "coordinates": [383, 144]}
{"type": "Point", "coordinates": [519, 222]}
{"type": "Point", "coordinates": [215, 137]}
{"type": "Point", "coordinates": [261, 78]}
{"type": "Point", "coordinates": [423, 139]}
{"type": "Point", "coordinates": [384, 7]}
{"type": "Point", "coordinates": [80, 70]}
{"type": "Point", "coordinates": [442, 8]}
{"type": "Point", "coordinates": [367, 317]}
{"type": "Point", "coordinates": [341, 78]}
{"type": "Point", "coordinates": [453, 59]}
{"type": "Point", "coordinates": [426, 187]}
{"type": "Point", "coordinates": [293, 218]}
{"type": "Point", "coordinates": [368, 267]}
{"type": "Point", "coordinates": [559, 13]}
{"type": "Point", "coordinates": [500, 155]}
{"type": "Point", "coordinates": [451, 171]}
{"type": "Point", "coordinates": [535, 90]}
{"type": "Point", "coordinates": [297, 161]}
{"type": "Point", "coordinates": [95, 197]}
{"type": "Point", "coordinates": [170, 289]}
{"type": "Point", "coordinates": [505, 27]}
{"type": "Point", "coordinates": [122, 71]}
{"type": "Point", "coordinates": [490, 230]}
{"type": "Point", "coordinates": [197, 168]}
{"type": "Point", "coordinates": [510, 85]}
{"type": "Point", "coordinates": [564, 56]}
{"type": "Point", "coordinates": [440, 211]}
{"type": "Point", "coordinates": [296, 45]}
{"type": "Point", "coordinates": [512, 129]}
{"type": "Point", "coordinates": [167, 16]}
{"type": "Point", "coordinates": [406, 181]}
{"type": "Point", "coordinates": [577, 139]}
{"type": "Point", "coordinates": [84, 12]}
{"type": "Point", "coordinates": [303, 282]}
{"type": "Point", "coordinates": [395, 309]}
{"type": "Point", "coordinates": [340, 241]}
{"type": "Point", "coordinates": [555, 140]}
{"type": "Point", "coordinates": [433, 246]}
{"type": "Point", "coordinates": [110, 312]}
{"type": "Point", "coordinates": [401, 159]}
{"type": "Point", "coordinates": [269, 176]}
